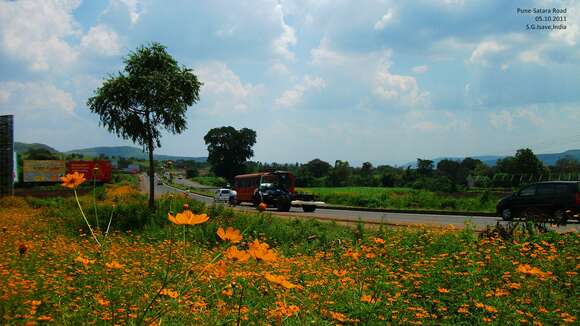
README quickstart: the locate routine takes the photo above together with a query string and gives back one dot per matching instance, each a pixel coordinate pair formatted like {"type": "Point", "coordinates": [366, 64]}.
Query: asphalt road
{"type": "Point", "coordinates": [458, 221]}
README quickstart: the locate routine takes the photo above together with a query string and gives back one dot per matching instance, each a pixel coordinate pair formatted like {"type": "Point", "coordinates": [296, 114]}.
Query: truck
{"type": "Point", "coordinates": [275, 189]}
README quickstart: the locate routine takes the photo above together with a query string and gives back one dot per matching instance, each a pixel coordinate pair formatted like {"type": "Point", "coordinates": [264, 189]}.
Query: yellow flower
{"type": "Point", "coordinates": [114, 265]}
{"type": "Point", "coordinates": [260, 251]}
{"type": "Point", "coordinates": [170, 293]}
{"type": "Point", "coordinates": [230, 234]}
{"type": "Point", "coordinates": [187, 218]}
{"type": "Point", "coordinates": [234, 254]}
{"type": "Point", "coordinates": [72, 180]}
{"type": "Point", "coordinates": [367, 298]}
{"type": "Point", "coordinates": [280, 280]}
{"type": "Point", "coordinates": [530, 270]}
{"type": "Point", "coordinates": [84, 261]}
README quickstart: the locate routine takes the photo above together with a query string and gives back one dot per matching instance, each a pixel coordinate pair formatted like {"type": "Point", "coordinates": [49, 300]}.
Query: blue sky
{"type": "Point", "coordinates": [384, 81]}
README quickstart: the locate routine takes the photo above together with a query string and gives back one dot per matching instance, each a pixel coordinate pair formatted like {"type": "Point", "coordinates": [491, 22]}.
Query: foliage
{"type": "Point", "coordinates": [229, 149]}
{"type": "Point", "coordinates": [406, 198]}
{"type": "Point", "coordinates": [151, 95]}
{"type": "Point", "coordinates": [322, 274]}
{"type": "Point", "coordinates": [40, 154]}
{"type": "Point", "coordinates": [211, 181]}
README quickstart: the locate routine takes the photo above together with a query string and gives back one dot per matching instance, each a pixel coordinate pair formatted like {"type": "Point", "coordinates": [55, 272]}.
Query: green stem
{"type": "Point", "coordinates": [84, 217]}
{"type": "Point", "coordinates": [95, 198]}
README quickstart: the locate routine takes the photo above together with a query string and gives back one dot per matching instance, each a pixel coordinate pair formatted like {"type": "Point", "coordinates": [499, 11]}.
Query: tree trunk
{"type": "Point", "coordinates": [151, 176]}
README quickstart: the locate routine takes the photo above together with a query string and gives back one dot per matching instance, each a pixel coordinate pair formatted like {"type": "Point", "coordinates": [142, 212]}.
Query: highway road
{"type": "Point", "coordinates": [458, 221]}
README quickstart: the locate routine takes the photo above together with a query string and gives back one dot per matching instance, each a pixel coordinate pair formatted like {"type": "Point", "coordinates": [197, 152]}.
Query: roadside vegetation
{"type": "Point", "coordinates": [407, 198]}
{"type": "Point", "coordinates": [187, 263]}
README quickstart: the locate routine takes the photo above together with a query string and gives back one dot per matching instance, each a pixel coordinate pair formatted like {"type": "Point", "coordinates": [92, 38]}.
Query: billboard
{"type": "Point", "coordinates": [6, 155]}
{"type": "Point", "coordinates": [100, 170]}
{"type": "Point", "coordinates": [43, 170]}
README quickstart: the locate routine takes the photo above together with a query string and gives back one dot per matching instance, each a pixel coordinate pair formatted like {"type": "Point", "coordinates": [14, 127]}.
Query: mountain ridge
{"type": "Point", "coordinates": [118, 151]}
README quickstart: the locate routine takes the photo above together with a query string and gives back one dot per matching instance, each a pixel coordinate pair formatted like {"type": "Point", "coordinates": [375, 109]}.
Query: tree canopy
{"type": "Point", "coordinates": [151, 94]}
{"type": "Point", "coordinates": [228, 149]}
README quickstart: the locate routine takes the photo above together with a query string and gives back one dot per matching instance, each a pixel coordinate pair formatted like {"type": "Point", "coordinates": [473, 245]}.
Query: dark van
{"type": "Point", "coordinates": [558, 199]}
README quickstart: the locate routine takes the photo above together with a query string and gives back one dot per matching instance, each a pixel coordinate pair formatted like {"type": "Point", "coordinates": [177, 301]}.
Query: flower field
{"type": "Point", "coordinates": [190, 264]}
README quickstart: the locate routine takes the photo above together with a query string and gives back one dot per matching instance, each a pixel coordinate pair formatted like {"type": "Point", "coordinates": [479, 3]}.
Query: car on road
{"type": "Point", "coordinates": [225, 195]}
{"type": "Point", "coordinates": [558, 201]}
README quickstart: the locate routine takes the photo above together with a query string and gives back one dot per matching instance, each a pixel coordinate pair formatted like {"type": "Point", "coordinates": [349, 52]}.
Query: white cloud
{"type": "Point", "coordinates": [35, 98]}
{"type": "Point", "coordinates": [420, 69]}
{"type": "Point", "coordinates": [224, 91]}
{"type": "Point", "coordinates": [35, 32]}
{"type": "Point", "coordinates": [325, 55]}
{"type": "Point", "coordinates": [279, 69]}
{"type": "Point", "coordinates": [286, 39]}
{"type": "Point", "coordinates": [530, 56]}
{"type": "Point", "coordinates": [501, 120]}
{"type": "Point", "coordinates": [530, 115]}
{"type": "Point", "coordinates": [295, 95]}
{"type": "Point", "coordinates": [385, 20]}
{"type": "Point", "coordinates": [103, 40]}
{"type": "Point", "coordinates": [398, 88]}
{"type": "Point", "coordinates": [134, 8]}
{"type": "Point", "coordinates": [484, 50]}
{"type": "Point", "coordinates": [506, 119]}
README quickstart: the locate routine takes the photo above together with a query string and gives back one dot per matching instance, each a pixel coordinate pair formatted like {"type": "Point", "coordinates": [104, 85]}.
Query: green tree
{"type": "Point", "coordinates": [40, 154]}
{"type": "Point", "coordinates": [340, 175]}
{"type": "Point", "coordinates": [229, 149]}
{"type": "Point", "coordinates": [567, 164]}
{"type": "Point", "coordinates": [151, 94]}
{"type": "Point", "coordinates": [424, 167]}
{"type": "Point", "coordinates": [318, 168]}
{"type": "Point", "coordinates": [527, 162]}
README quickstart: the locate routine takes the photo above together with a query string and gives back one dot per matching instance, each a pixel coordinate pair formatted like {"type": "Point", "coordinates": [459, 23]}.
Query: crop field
{"type": "Point", "coordinates": [406, 198]}
{"type": "Point", "coordinates": [186, 263]}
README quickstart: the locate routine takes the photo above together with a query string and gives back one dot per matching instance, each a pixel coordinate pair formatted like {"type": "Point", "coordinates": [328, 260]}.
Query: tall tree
{"type": "Point", "coordinates": [318, 168]}
{"type": "Point", "coordinates": [151, 94]}
{"type": "Point", "coordinates": [527, 162]}
{"type": "Point", "coordinates": [424, 167]}
{"type": "Point", "coordinates": [228, 149]}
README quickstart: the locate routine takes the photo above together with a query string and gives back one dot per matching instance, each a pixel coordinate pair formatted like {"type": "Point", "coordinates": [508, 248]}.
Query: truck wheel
{"type": "Point", "coordinates": [283, 206]}
{"type": "Point", "coordinates": [560, 216]}
{"type": "Point", "coordinates": [308, 208]}
{"type": "Point", "coordinates": [507, 214]}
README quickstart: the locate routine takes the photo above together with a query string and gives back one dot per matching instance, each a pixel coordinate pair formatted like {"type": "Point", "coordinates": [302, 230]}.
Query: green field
{"type": "Point", "coordinates": [406, 198]}
{"type": "Point", "coordinates": [277, 272]}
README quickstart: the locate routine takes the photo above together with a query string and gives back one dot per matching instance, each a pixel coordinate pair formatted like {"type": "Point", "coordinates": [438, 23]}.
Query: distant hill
{"type": "Point", "coordinates": [128, 151]}
{"type": "Point", "coordinates": [24, 147]}
{"type": "Point", "coordinates": [490, 160]}
{"type": "Point", "coordinates": [110, 151]}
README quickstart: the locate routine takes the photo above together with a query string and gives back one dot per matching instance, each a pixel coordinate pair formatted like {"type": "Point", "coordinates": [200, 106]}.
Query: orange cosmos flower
{"type": "Point", "coordinates": [260, 251]}
{"type": "Point", "coordinates": [84, 261]}
{"type": "Point", "coordinates": [230, 234]}
{"type": "Point", "coordinates": [72, 180]}
{"type": "Point", "coordinates": [338, 316]}
{"type": "Point", "coordinates": [443, 290]}
{"type": "Point", "coordinates": [379, 240]}
{"type": "Point", "coordinates": [280, 280]}
{"type": "Point", "coordinates": [114, 265]}
{"type": "Point", "coordinates": [170, 293]}
{"type": "Point", "coordinates": [187, 218]}
{"type": "Point", "coordinates": [366, 298]}
{"type": "Point", "coordinates": [234, 254]}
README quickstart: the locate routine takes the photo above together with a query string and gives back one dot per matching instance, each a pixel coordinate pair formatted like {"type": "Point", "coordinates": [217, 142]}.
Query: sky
{"type": "Point", "coordinates": [379, 81]}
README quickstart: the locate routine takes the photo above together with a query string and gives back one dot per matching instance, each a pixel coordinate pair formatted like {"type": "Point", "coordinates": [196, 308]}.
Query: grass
{"type": "Point", "coordinates": [211, 181]}
{"type": "Point", "coordinates": [406, 198]}
{"type": "Point", "coordinates": [152, 272]}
